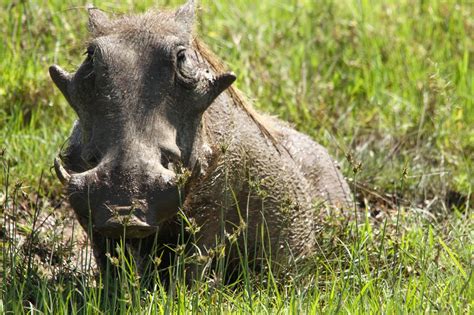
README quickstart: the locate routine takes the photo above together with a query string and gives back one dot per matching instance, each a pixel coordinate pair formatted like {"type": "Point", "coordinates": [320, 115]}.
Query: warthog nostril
{"type": "Point", "coordinates": [136, 209]}
{"type": "Point", "coordinates": [123, 210]}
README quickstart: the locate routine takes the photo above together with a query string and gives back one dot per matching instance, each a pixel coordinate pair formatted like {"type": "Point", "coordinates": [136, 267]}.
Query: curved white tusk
{"type": "Point", "coordinates": [61, 172]}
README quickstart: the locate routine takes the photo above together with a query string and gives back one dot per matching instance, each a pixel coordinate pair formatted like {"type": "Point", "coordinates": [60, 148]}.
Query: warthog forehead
{"type": "Point", "coordinates": [153, 22]}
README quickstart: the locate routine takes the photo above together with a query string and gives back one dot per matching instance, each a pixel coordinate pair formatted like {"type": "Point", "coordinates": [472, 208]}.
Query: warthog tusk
{"type": "Point", "coordinates": [61, 172]}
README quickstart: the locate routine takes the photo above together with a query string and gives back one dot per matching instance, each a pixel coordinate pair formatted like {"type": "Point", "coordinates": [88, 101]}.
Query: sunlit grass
{"type": "Point", "coordinates": [388, 85]}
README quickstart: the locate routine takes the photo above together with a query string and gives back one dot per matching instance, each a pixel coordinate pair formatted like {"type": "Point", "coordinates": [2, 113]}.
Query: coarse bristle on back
{"type": "Point", "coordinates": [236, 95]}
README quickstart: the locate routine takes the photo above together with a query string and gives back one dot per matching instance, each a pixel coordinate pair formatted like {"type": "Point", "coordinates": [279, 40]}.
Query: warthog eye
{"type": "Point", "coordinates": [186, 73]}
{"type": "Point", "coordinates": [181, 56]}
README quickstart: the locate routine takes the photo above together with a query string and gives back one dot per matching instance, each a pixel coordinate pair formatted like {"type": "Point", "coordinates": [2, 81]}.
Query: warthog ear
{"type": "Point", "coordinates": [98, 20]}
{"type": "Point", "coordinates": [185, 15]}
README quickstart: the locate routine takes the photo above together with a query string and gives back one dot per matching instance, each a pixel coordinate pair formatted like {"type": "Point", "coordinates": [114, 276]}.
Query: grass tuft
{"type": "Point", "coordinates": [387, 86]}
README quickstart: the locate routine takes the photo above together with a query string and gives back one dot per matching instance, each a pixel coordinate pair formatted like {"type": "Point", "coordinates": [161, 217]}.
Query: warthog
{"type": "Point", "coordinates": [163, 137]}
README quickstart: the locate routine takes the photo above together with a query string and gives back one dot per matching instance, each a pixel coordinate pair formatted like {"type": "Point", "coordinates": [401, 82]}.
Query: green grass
{"type": "Point", "coordinates": [387, 85]}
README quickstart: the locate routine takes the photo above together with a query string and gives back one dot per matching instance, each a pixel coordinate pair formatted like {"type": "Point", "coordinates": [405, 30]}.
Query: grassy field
{"type": "Point", "coordinates": [387, 86]}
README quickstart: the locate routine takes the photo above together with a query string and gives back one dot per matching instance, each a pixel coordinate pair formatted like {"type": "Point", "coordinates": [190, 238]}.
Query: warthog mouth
{"type": "Point", "coordinates": [133, 217]}
{"type": "Point", "coordinates": [124, 221]}
{"type": "Point", "coordinates": [128, 227]}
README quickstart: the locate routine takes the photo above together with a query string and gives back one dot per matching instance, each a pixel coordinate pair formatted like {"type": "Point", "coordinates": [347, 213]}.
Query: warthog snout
{"type": "Point", "coordinates": [118, 201]}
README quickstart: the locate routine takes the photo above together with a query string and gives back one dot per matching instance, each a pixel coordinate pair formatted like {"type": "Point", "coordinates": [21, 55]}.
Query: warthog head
{"type": "Point", "coordinates": [139, 94]}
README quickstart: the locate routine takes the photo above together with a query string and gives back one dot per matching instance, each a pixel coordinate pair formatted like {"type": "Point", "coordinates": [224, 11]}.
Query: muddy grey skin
{"type": "Point", "coordinates": [161, 131]}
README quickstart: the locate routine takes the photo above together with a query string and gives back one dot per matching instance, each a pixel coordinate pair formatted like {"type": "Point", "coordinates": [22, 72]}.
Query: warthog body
{"type": "Point", "coordinates": [162, 135]}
